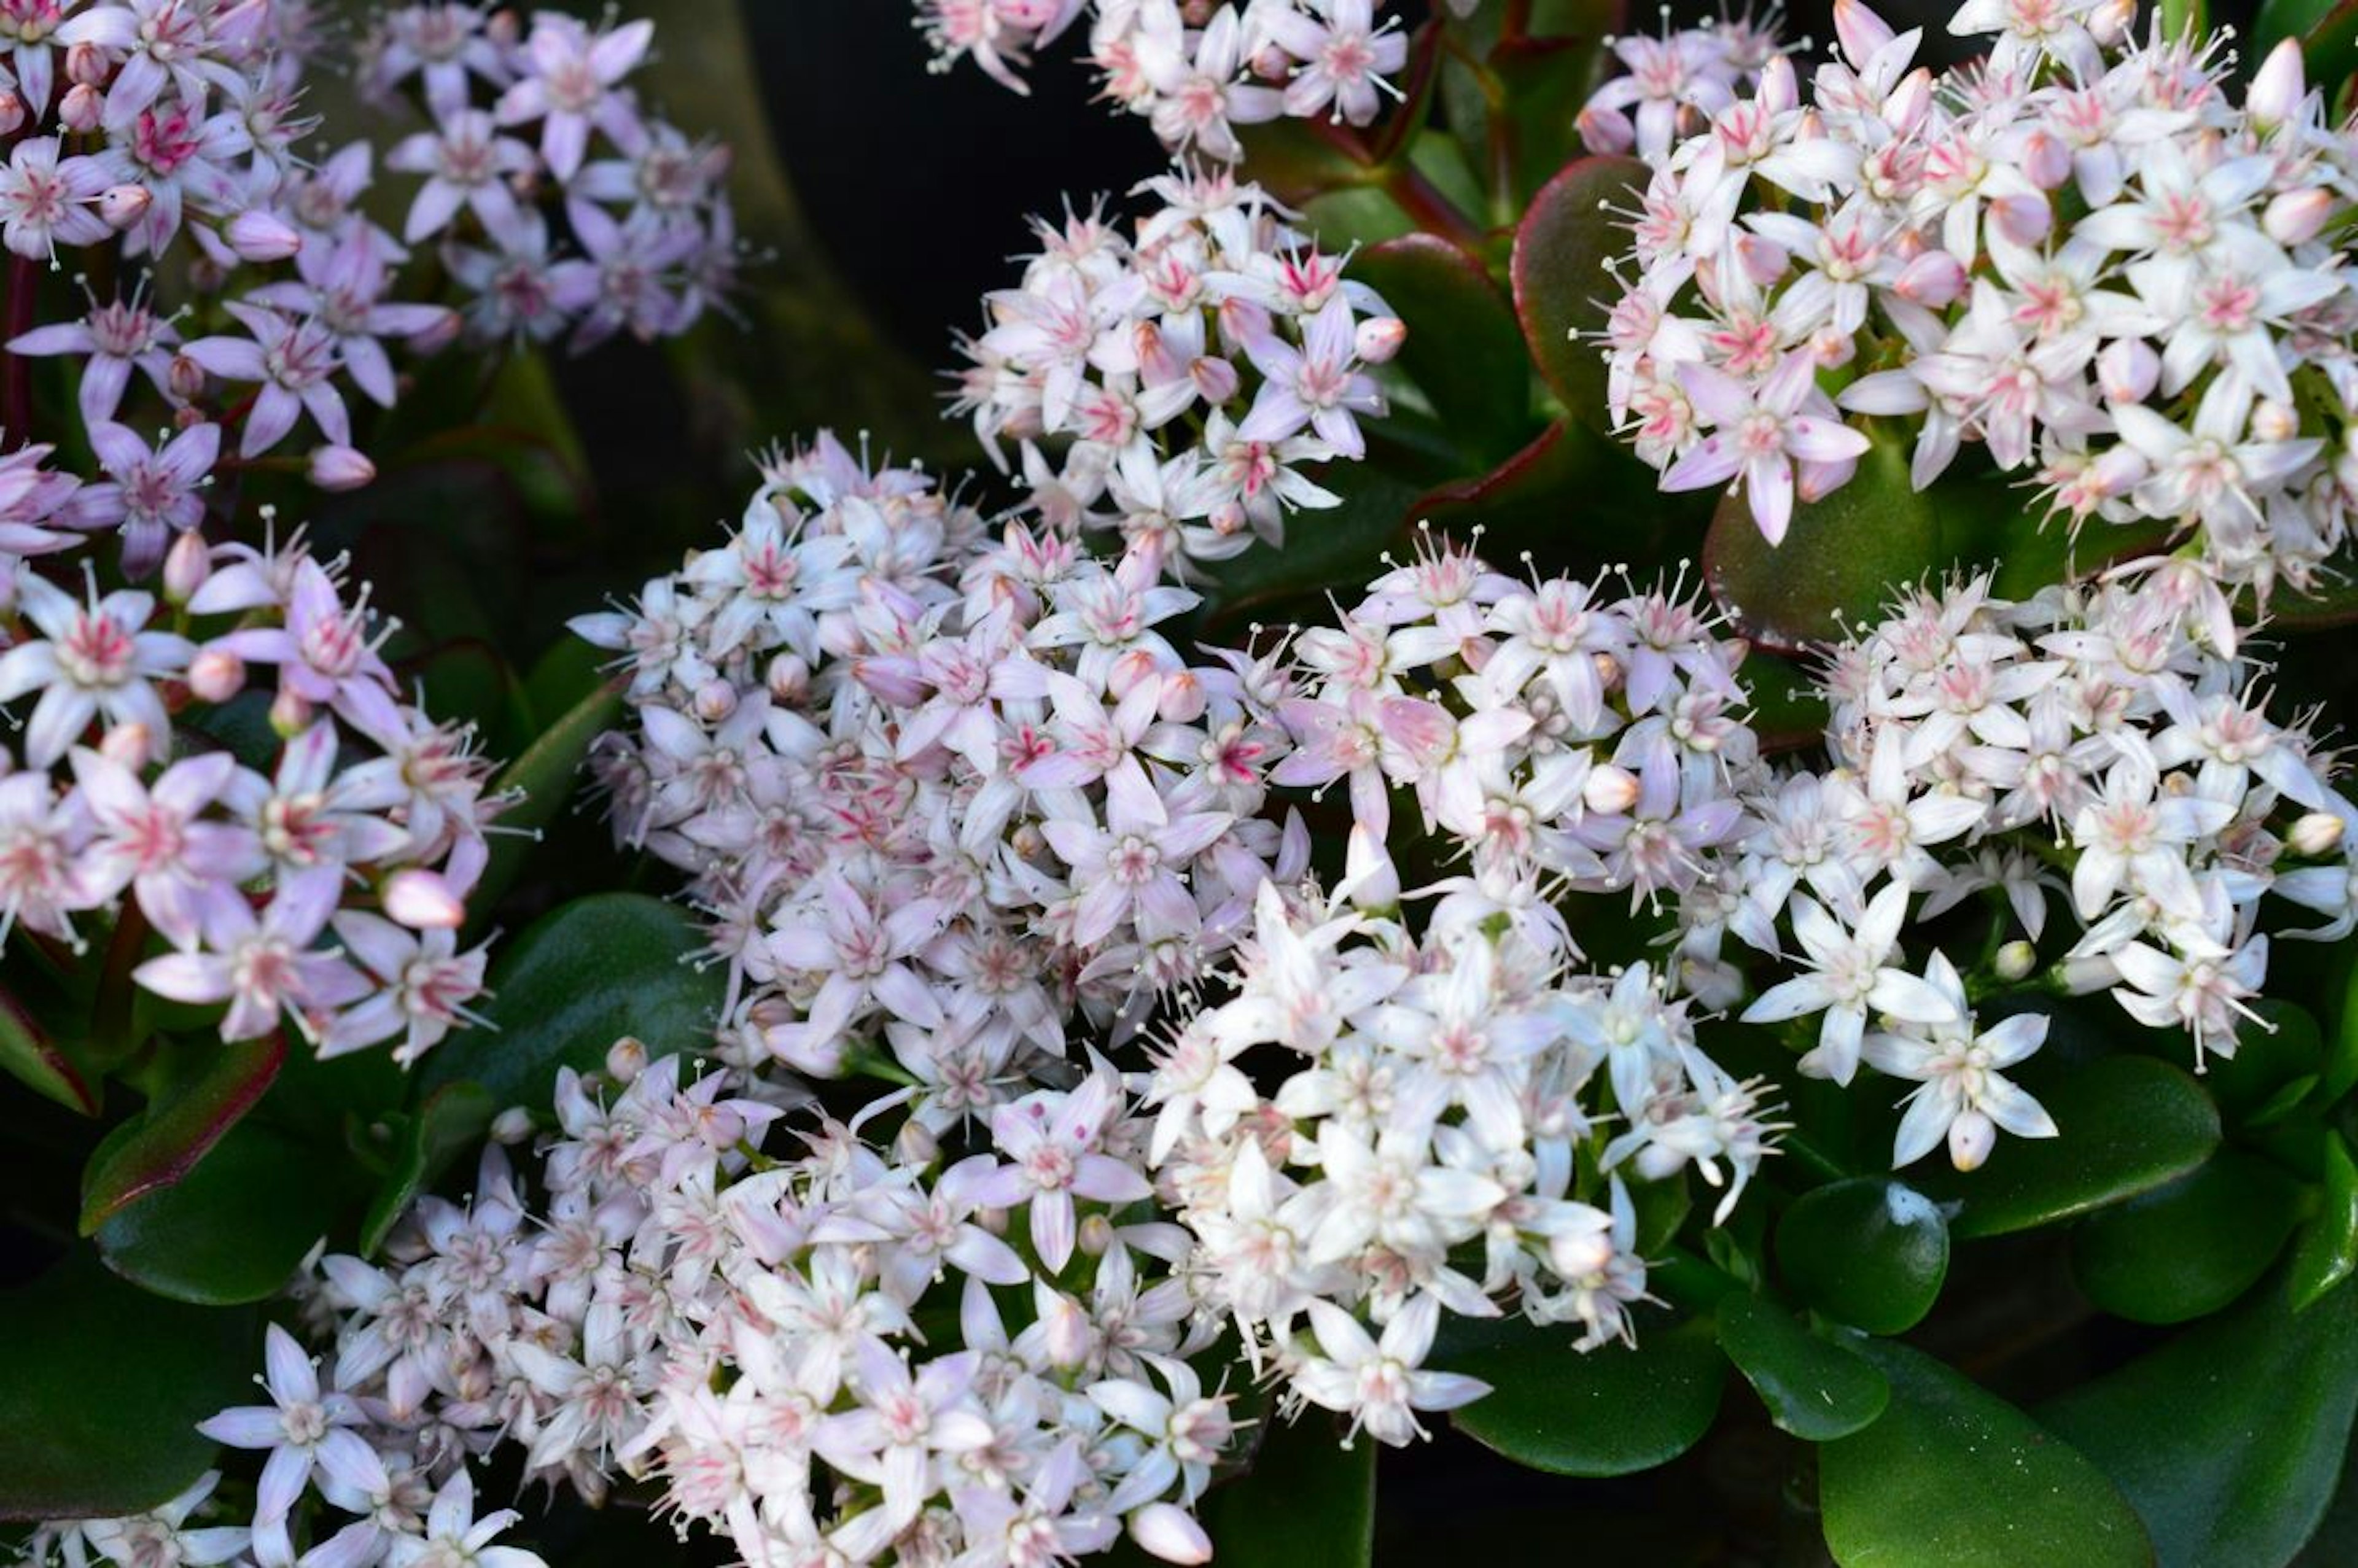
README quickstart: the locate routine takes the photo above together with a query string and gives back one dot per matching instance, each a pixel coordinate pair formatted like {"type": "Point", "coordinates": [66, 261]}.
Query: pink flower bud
{"type": "Point", "coordinates": [290, 713]}
{"type": "Point", "coordinates": [187, 417]}
{"type": "Point", "coordinates": [1215, 379]}
{"type": "Point", "coordinates": [187, 565]}
{"type": "Point", "coordinates": [506, 30]}
{"type": "Point", "coordinates": [716, 700]}
{"type": "Point", "coordinates": [184, 379]}
{"type": "Point", "coordinates": [789, 680]}
{"type": "Point", "coordinates": [1096, 1235]}
{"type": "Point", "coordinates": [1763, 261]}
{"type": "Point", "coordinates": [626, 1059]}
{"type": "Point", "coordinates": [1907, 107]}
{"type": "Point", "coordinates": [1242, 321]}
{"type": "Point", "coordinates": [2280, 87]}
{"type": "Point", "coordinates": [2315, 833]}
{"type": "Point", "coordinates": [2110, 22]}
{"type": "Point", "coordinates": [1610, 790]}
{"type": "Point", "coordinates": [87, 65]}
{"type": "Point", "coordinates": [1183, 700]}
{"type": "Point", "coordinates": [2274, 421]}
{"type": "Point", "coordinates": [1608, 132]}
{"type": "Point", "coordinates": [1370, 881]}
{"type": "Point", "coordinates": [422, 900]}
{"type": "Point", "coordinates": [129, 743]}
{"type": "Point", "coordinates": [215, 675]}
{"type": "Point", "coordinates": [1378, 339]}
{"type": "Point", "coordinates": [1128, 671]}
{"type": "Point", "coordinates": [1780, 90]}
{"type": "Point", "coordinates": [121, 206]}
{"type": "Point", "coordinates": [1229, 519]}
{"type": "Point", "coordinates": [915, 1147]}
{"type": "Point", "coordinates": [1935, 280]}
{"type": "Point", "coordinates": [1862, 32]}
{"type": "Point", "coordinates": [12, 112]}
{"type": "Point", "coordinates": [2047, 160]}
{"type": "Point", "coordinates": [2297, 217]}
{"type": "Point", "coordinates": [1831, 347]}
{"type": "Point", "coordinates": [81, 108]}
{"type": "Point", "coordinates": [339, 468]}
{"type": "Point", "coordinates": [259, 236]}
{"type": "Point", "coordinates": [1170, 1532]}
{"type": "Point", "coordinates": [1066, 1328]}
{"type": "Point", "coordinates": [1272, 63]}
{"type": "Point", "coordinates": [2025, 220]}
{"type": "Point", "coordinates": [511, 1126]}
{"type": "Point", "coordinates": [2128, 371]}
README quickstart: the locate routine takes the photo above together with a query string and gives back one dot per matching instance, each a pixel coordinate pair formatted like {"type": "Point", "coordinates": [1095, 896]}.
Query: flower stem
{"type": "Point", "coordinates": [17, 382]}
{"type": "Point", "coordinates": [1434, 211]}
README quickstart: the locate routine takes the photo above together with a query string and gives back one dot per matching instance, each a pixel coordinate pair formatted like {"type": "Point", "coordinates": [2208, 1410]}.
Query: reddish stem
{"type": "Point", "coordinates": [1434, 211]}
{"type": "Point", "coordinates": [1516, 20]}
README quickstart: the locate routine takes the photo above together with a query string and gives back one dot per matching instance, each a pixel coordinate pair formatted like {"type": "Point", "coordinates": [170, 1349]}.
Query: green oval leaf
{"type": "Point", "coordinates": [2229, 1439]}
{"type": "Point", "coordinates": [100, 1399]}
{"type": "Point", "coordinates": [208, 1087]}
{"type": "Point", "coordinates": [579, 979]}
{"type": "Point", "coordinates": [1325, 551]}
{"type": "Point", "coordinates": [450, 1122]}
{"type": "Point", "coordinates": [1464, 351]}
{"type": "Point", "coordinates": [1813, 1388]}
{"type": "Point", "coordinates": [2129, 1124]}
{"type": "Point", "coordinates": [2283, 1046]}
{"type": "Point", "coordinates": [29, 1054]}
{"type": "Point", "coordinates": [1611, 1411]}
{"type": "Point", "coordinates": [1305, 1499]}
{"type": "Point", "coordinates": [2190, 1247]}
{"type": "Point", "coordinates": [233, 1230]}
{"type": "Point", "coordinates": [1869, 1251]}
{"type": "Point", "coordinates": [1561, 286]}
{"type": "Point", "coordinates": [2328, 1249]}
{"type": "Point", "coordinates": [544, 773]}
{"type": "Point", "coordinates": [1952, 1476]}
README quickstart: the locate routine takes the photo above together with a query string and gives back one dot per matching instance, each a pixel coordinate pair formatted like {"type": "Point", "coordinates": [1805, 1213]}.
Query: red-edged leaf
{"type": "Point", "coordinates": [28, 1052]}
{"type": "Point", "coordinates": [1416, 93]}
{"type": "Point", "coordinates": [1465, 349]}
{"type": "Point", "coordinates": [188, 1115]}
{"type": "Point", "coordinates": [1561, 284]}
{"type": "Point", "coordinates": [1575, 500]}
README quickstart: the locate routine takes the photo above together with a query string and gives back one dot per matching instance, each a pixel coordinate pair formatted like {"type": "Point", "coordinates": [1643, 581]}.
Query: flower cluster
{"type": "Point", "coordinates": [533, 120]}
{"type": "Point", "coordinates": [2092, 746]}
{"type": "Point", "coordinates": [1550, 730]}
{"type": "Point", "coordinates": [128, 799]}
{"type": "Point", "coordinates": [938, 791]}
{"type": "Point", "coordinates": [2080, 256]}
{"type": "Point", "coordinates": [1174, 382]}
{"type": "Point", "coordinates": [746, 1327]}
{"type": "Point", "coordinates": [1434, 1141]}
{"type": "Point", "coordinates": [1195, 71]}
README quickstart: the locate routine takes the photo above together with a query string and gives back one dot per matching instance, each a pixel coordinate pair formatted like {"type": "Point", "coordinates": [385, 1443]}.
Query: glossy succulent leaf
{"type": "Point", "coordinates": [2230, 1438]}
{"type": "Point", "coordinates": [1561, 286]}
{"type": "Point", "coordinates": [100, 1395]}
{"type": "Point", "coordinates": [29, 1054]}
{"type": "Point", "coordinates": [1337, 551]}
{"type": "Point", "coordinates": [2328, 31]}
{"type": "Point", "coordinates": [1841, 560]}
{"type": "Point", "coordinates": [2129, 1124]}
{"type": "Point", "coordinates": [2342, 1051]}
{"type": "Point", "coordinates": [448, 1124]}
{"type": "Point", "coordinates": [1869, 1252]}
{"type": "Point", "coordinates": [1541, 75]}
{"type": "Point", "coordinates": [1464, 351]}
{"type": "Point", "coordinates": [234, 1228]}
{"type": "Point", "coordinates": [1788, 710]}
{"type": "Point", "coordinates": [1306, 1498]}
{"type": "Point", "coordinates": [2327, 1251]}
{"type": "Point", "coordinates": [1815, 1387]}
{"type": "Point", "coordinates": [206, 1087]}
{"type": "Point", "coordinates": [1569, 498]}
{"type": "Point", "coordinates": [546, 773]}
{"type": "Point", "coordinates": [1611, 1411]}
{"type": "Point", "coordinates": [1952, 1476]}
{"type": "Point", "coordinates": [2191, 1246]}
{"type": "Point", "coordinates": [2282, 1047]}
{"type": "Point", "coordinates": [575, 981]}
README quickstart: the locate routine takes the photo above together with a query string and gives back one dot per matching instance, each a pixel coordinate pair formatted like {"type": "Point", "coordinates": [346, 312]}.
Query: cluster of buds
{"type": "Point", "coordinates": [1174, 382]}
{"type": "Point", "coordinates": [366, 831]}
{"type": "Point", "coordinates": [2075, 252]}
{"type": "Point", "coordinates": [1445, 1102]}
{"type": "Point", "coordinates": [938, 791]}
{"type": "Point", "coordinates": [1194, 70]}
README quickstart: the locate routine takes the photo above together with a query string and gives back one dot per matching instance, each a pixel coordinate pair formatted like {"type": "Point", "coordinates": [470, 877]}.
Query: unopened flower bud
{"type": "Point", "coordinates": [1272, 63]}
{"type": "Point", "coordinates": [1216, 379]}
{"type": "Point", "coordinates": [1935, 280]}
{"type": "Point", "coordinates": [81, 108]}
{"type": "Point", "coordinates": [815, 1056]}
{"type": "Point", "coordinates": [290, 713]}
{"type": "Point", "coordinates": [2297, 217]}
{"type": "Point", "coordinates": [2110, 22]}
{"type": "Point", "coordinates": [2025, 220]}
{"type": "Point", "coordinates": [2128, 371]}
{"type": "Point", "coordinates": [2087, 974]}
{"type": "Point", "coordinates": [258, 236]}
{"type": "Point", "coordinates": [339, 468]}
{"type": "Point", "coordinates": [2047, 159]}
{"type": "Point", "coordinates": [1609, 790]}
{"type": "Point", "coordinates": [716, 700]}
{"type": "Point", "coordinates": [2015, 960]}
{"type": "Point", "coordinates": [1605, 131]}
{"type": "Point", "coordinates": [121, 206]}
{"type": "Point", "coordinates": [1128, 671]}
{"type": "Point", "coordinates": [1369, 879]}
{"type": "Point", "coordinates": [2278, 88]}
{"type": "Point", "coordinates": [1781, 87]}
{"type": "Point", "coordinates": [626, 1059]}
{"type": "Point", "coordinates": [1831, 347]}
{"type": "Point", "coordinates": [1862, 32]}
{"type": "Point", "coordinates": [787, 678]}
{"type": "Point", "coordinates": [2274, 421]}
{"type": "Point", "coordinates": [511, 1126]}
{"type": "Point", "coordinates": [1066, 1328]}
{"type": "Point", "coordinates": [12, 113]}
{"type": "Point", "coordinates": [1095, 1235]}
{"type": "Point", "coordinates": [1574, 1254]}
{"type": "Point", "coordinates": [2315, 833]}
{"type": "Point", "coordinates": [422, 900]}
{"type": "Point", "coordinates": [915, 1147]}
{"type": "Point", "coordinates": [129, 743]}
{"type": "Point", "coordinates": [1182, 699]}
{"type": "Point", "coordinates": [87, 65]}
{"type": "Point", "coordinates": [506, 30]}
{"type": "Point", "coordinates": [1378, 339]}
{"type": "Point", "coordinates": [1170, 1532]}
{"type": "Point", "coordinates": [1763, 261]}
{"type": "Point", "coordinates": [184, 379]}
{"type": "Point", "coordinates": [187, 565]}
{"type": "Point", "coordinates": [1230, 518]}
{"type": "Point", "coordinates": [216, 676]}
